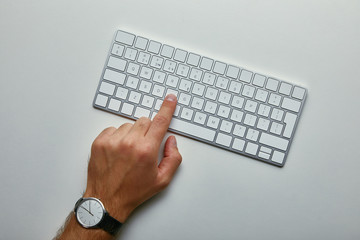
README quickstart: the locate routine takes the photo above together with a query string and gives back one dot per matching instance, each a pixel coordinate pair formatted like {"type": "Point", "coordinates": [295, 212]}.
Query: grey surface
{"type": "Point", "coordinates": [51, 57]}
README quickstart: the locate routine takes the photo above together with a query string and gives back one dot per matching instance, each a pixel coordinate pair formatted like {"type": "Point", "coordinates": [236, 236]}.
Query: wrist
{"type": "Point", "coordinates": [73, 230]}
{"type": "Point", "coordinates": [115, 208]}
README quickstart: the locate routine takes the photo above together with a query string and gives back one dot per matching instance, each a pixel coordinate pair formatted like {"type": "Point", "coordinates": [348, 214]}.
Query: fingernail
{"type": "Point", "coordinates": [170, 97]}
{"type": "Point", "coordinates": [173, 141]}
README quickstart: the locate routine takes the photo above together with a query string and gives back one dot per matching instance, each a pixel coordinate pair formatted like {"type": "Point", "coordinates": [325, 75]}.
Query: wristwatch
{"type": "Point", "coordinates": [91, 213]}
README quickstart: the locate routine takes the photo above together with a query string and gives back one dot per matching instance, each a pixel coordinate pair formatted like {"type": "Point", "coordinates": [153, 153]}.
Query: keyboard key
{"type": "Point", "coordinates": [264, 110]}
{"type": "Point", "coordinates": [232, 72]}
{"type": "Point", "coordinates": [278, 157]}
{"type": "Point", "coordinates": [114, 105]}
{"type": "Point", "coordinates": [146, 73]}
{"type": "Point", "coordinates": [156, 62]}
{"type": "Point", "coordinates": [224, 97]}
{"type": "Point", "coordinates": [125, 38]}
{"type": "Point", "coordinates": [261, 95]}
{"type": "Point", "coordinates": [141, 112]}
{"type": "Point", "coordinates": [250, 120]}
{"type": "Point", "coordinates": [167, 51]}
{"type": "Point", "coordinates": [117, 50]}
{"type": "Point", "coordinates": [121, 93]}
{"type": "Point", "coordinates": [117, 63]}
{"type": "Point", "coordinates": [180, 55]}
{"type": "Point", "coordinates": [159, 77]}
{"type": "Point", "coordinates": [222, 82]}
{"type": "Point", "coordinates": [259, 80]}
{"type": "Point", "coordinates": [172, 91]}
{"type": "Point", "coordinates": [130, 53]}
{"type": "Point", "coordinates": [298, 93]}
{"type": "Point", "coordinates": [134, 97]}
{"type": "Point", "coordinates": [101, 100]}
{"type": "Point", "coordinates": [127, 109]}
{"type": "Point", "coordinates": [213, 122]}
{"type": "Point", "coordinates": [145, 86]}
{"type": "Point", "coordinates": [248, 91]}
{"type": "Point", "coordinates": [272, 84]}
{"type": "Point", "coordinates": [274, 99]}
{"type": "Point", "coordinates": [276, 128]}
{"type": "Point", "coordinates": [185, 85]}
{"type": "Point", "coordinates": [187, 113]}
{"type": "Point", "coordinates": [263, 124]}
{"type": "Point", "coordinates": [251, 148]}
{"type": "Point", "coordinates": [223, 111]}
{"type": "Point", "coordinates": [197, 103]}
{"type": "Point", "coordinates": [200, 118]}
{"type": "Point", "coordinates": [251, 106]}
{"type": "Point", "coordinates": [239, 130]}
{"type": "Point", "coordinates": [141, 43]}
{"type": "Point", "coordinates": [273, 141]}
{"type": "Point", "coordinates": [183, 70]}
{"type": "Point", "coordinates": [184, 99]}
{"type": "Point", "coordinates": [210, 107]}
{"type": "Point", "coordinates": [277, 114]}
{"type": "Point", "coordinates": [143, 58]}
{"type": "Point", "coordinates": [209, 78]}
{"type": "Point", "coordinates": [206, 63]}
{"type": "Point", "coordinates": [193, 59]}
{"type": "Point", "coordinates": [289, 120]}
{"type": "Point", "coordinates": [198, 89]}
{"type": "Point", "coordinates": [238, 144]}
{"type": "Point", "coordinates": [195, 74]}
{"type": "Point", "coordinates": [290, 104]}
{"type": "Point", "coordinates": [169, 66]}
{"type": "Point", "coordinates": [245, 76]}
{"type": "Point", "coordinates": [285, 88]}
{"type": "Point", "coordinates": [114, 76]}
{"type": "Point", "coordinates": [226, 126]}
{"type": "Point", "coordinates": [237, 102]}
{"type": "Point", "coordinates": [211, 93]}
{"type": "Point", "coordinates": [219, 68]}
{"type": "Point", "coordinates": [172, 81]}
{"type": "Point", "coordinates": [107, 88]}
{"type": "Point", "coordinates": [235, 87]}
{"type": "Point", "coordinates": [132, 82]}
{"type": "Point", "coordinates": [192, 129]}
{"type": "Point", "coordinates": [147, 101]}
{"type": "Point", "coordinates": [223, 139]}
{"type": "Point", "coordinates": [236, 115]}
{"type": "Point", "coordinates": [133, 68]}
{"type": "Point", "coordinates": [154, 47]}
{"type": "Point", "coordinates": [252, 135]}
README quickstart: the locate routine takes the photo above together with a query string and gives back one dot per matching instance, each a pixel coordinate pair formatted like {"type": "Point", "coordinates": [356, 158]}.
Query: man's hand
{"type": "Point", "coordinates": [123, 170]}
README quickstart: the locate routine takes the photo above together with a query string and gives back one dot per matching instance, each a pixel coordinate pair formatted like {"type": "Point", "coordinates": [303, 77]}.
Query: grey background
{"type": "Point", "coordinates": [51, 57]}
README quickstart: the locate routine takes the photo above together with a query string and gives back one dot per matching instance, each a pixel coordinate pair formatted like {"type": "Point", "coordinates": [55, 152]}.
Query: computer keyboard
{"type": "Point", "coordinates": [220, 104]}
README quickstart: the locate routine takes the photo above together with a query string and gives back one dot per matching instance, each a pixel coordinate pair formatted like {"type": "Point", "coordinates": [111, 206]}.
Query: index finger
{"type": "Point", "coordinates": [162, 120]}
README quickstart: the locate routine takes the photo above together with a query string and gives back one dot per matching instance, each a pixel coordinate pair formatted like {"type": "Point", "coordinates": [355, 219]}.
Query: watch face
{"type": "Point", "coordinates": [90, 212]}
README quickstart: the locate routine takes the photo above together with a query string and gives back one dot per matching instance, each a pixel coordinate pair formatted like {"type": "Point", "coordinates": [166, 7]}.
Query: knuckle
{"type": "Point", "coordinates": [161, 120]}
{"type": "Point", "coordinates": [145, 151]}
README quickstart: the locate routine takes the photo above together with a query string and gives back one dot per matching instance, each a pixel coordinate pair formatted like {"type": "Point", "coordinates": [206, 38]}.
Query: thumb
{"type": "Point", "coordinates": [170, 163]}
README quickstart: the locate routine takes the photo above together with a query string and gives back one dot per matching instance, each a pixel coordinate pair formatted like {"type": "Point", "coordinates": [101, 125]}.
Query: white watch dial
{"type": "Point", "coordinates": [90, 212]}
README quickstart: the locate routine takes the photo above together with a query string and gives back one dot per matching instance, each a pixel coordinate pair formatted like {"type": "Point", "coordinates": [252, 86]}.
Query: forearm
{"type": "Point", "coordinates": [73, 231]}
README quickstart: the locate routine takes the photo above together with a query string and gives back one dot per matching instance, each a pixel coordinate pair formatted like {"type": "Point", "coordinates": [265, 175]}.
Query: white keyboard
{"type": "Point", "coordinates": [220, 104]}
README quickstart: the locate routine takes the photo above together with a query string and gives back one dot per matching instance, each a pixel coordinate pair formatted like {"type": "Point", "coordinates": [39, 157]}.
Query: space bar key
{"type": "Point", "coordinates": [192, 129]}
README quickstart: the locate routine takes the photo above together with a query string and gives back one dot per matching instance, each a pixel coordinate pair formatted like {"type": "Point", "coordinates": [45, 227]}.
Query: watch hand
{"type": "Point", "coordinates": [87, 210]}
{"type": "Point", "coordinates": [89, 206]}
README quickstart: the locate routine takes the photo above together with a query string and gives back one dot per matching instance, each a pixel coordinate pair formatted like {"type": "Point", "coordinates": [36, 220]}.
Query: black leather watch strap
{"type": "Point", "coordinates": [110, 224]}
